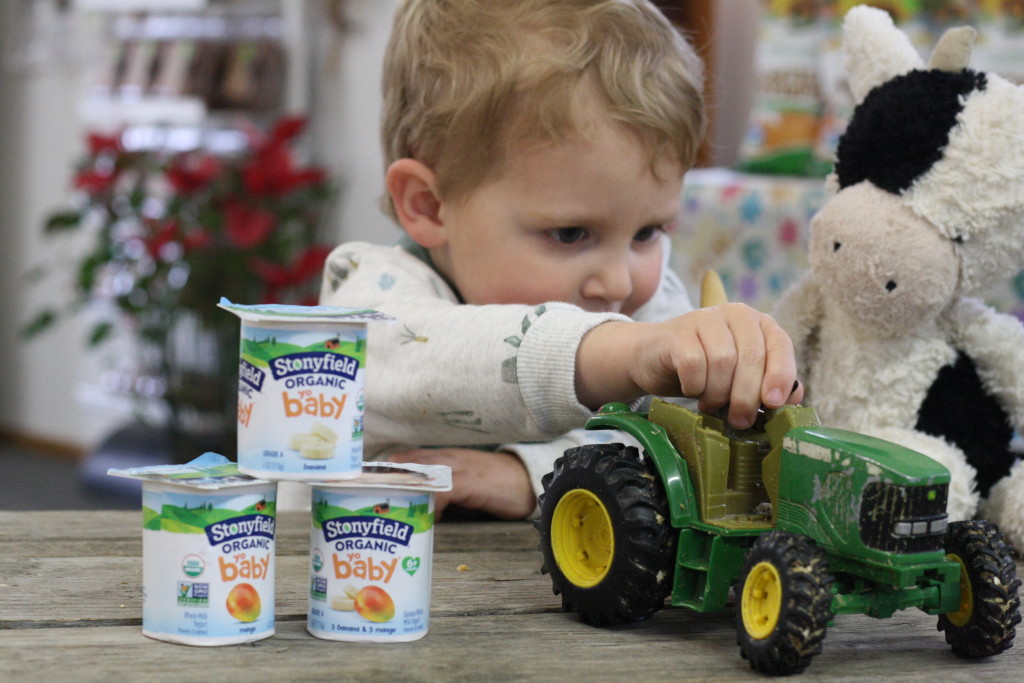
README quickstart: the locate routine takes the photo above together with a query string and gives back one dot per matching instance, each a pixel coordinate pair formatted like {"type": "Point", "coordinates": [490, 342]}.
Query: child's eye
{"type": "Point", "coordinates": [646, 234]}
{"type": "Point", "coordinates": [568, 235]}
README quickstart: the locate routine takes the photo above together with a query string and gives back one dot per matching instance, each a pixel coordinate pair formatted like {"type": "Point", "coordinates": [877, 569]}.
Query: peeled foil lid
{"type": "Point", "coordinates": [210, 471]}
{"type": "Point", "coordinates": [302, 314]}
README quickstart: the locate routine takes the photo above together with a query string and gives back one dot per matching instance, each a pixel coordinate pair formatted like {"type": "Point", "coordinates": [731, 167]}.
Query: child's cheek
{"type": "Point", "coordinates": [645, 284]}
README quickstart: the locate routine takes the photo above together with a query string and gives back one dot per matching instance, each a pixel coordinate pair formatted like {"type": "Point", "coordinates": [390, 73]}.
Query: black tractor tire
{"type": "Point", "coordinates": [605, 534]}
{"type": "Point", "coordinates": [783, 603]}
{"type": "Point", "coordinates": [989, 603]}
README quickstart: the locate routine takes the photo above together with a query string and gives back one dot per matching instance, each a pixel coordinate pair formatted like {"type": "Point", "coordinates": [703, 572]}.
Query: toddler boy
{"type": "Point", "coordinates": [535, 155]}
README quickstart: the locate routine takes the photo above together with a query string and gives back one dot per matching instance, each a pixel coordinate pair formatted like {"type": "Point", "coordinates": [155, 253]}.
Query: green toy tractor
{"type": "Point", "coordinates": [800, 522]}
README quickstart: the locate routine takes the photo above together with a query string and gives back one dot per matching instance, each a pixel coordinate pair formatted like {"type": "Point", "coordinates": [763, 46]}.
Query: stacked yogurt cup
{"type": "Point", "coordinates": [208, 539]}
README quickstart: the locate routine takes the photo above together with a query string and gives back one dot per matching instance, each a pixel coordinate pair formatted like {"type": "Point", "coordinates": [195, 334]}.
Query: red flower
{"type": "Point", "coordinates": [310, 263]}
{"type": "Point", "coordinates": [196, 239]}
{"type": "Point", "coordinates": [164, 235]}
{"type": "Point", "coordinates": [95, 182]}
{"type": "Point", "coordinates": [247, 226]}
{"type": "Point", "coordinates": [285, 130]}
{"type": "Point", "coordinates": [275, 275]}
{"type": "Point", "coordinates": [102, 143]}
{"type": "Point", "coordinates": [188, 173]}
{"type": "Point", "coordinates": [272, 173]}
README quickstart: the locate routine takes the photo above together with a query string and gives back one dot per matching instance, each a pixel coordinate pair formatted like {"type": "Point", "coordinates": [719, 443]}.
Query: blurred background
{"type": "Point", "coordinates": [159, 154]}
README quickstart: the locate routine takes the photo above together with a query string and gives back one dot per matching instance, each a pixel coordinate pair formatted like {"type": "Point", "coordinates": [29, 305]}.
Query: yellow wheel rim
{"type": "Point", "coordinates": [761, 601]}
{"type": "Point", "coordinates": [960, 617]}
{"type": "Point", "coordinates": [581, 538]}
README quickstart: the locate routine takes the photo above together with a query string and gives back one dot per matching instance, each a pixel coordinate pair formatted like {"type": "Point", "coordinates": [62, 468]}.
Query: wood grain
{"type": "Point", "coordinates": [70, 607]}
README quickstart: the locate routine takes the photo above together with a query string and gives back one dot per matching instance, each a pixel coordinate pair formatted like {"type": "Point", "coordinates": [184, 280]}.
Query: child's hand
{"type": "Point", "coordinates": [729, 354]}
{"type": "Point", "coordinates": [495, 483]}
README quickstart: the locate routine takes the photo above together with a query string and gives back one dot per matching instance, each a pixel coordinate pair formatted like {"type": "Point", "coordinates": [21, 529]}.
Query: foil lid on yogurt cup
{"type": "Point", "coordinates": [396, 475]}
{"type": "Point", "coordinates": [210, 471]}
{"type": "Point", "coordinates": [287, 313]}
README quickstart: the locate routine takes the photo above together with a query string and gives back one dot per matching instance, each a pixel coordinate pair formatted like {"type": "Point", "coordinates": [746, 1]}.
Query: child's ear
{"type": "Point", "coordinates": [413, 190]}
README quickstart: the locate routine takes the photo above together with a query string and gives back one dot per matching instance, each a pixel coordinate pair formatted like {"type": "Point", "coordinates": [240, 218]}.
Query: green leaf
{"type": "Point", "coordinates": [100, 333]}
{"type": "Point", "coordinates": [63, 220]}
{"type": "Point", "coordinates": [43, 320]}
{"type": "Point", "coordinates": [88, 271]}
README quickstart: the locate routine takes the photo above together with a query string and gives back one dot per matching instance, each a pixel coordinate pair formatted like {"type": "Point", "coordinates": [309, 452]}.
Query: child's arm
{"type": "Point", "coordinates": [729, 354]}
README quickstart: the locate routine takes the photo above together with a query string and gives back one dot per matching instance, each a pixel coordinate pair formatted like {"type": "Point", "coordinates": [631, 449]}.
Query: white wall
{"type": "Point", "coordinates": [347, 105]}
{"type": "Point", "coordinates": [734, 76]}
{"type": "Point", "coordinates": [39, 140]}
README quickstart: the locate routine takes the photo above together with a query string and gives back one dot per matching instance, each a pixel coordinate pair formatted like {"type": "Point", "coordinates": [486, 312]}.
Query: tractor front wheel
{"type": "Point", "coordinates": [783, 603]}
{"type": "Point", "coordinates": [983, 625]}
{"type": "Point", "coordinates": [605, 534]}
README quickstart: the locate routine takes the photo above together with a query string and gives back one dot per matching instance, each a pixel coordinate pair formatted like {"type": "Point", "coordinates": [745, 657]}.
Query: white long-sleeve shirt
{"type": "Point", "coordinates": [453, 374]}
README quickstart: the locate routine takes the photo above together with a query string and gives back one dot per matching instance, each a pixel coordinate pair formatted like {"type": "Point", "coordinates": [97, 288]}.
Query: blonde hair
{"type": "Point", "coordinates": [465, 80]}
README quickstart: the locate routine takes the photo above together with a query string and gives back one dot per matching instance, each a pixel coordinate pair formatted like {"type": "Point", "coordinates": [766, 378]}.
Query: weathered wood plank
{"type": "Point", "coordinates": [675, 645]}
{"type": "Point", "coordinates": [70, 600]}
{"type": "Point", "coordinates": [119, 534]}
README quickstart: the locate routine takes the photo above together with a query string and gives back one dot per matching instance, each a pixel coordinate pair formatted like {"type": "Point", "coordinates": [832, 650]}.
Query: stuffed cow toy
{"type": "Point", "coordinates": [926, 211]}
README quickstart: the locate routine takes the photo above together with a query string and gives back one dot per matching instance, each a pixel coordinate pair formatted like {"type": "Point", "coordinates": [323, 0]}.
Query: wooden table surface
{"type": "Point", "coordinates": [71, 609]}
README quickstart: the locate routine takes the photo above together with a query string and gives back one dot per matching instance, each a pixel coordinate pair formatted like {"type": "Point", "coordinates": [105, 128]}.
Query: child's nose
{"type": "Point", "coordinates": [612, 281]}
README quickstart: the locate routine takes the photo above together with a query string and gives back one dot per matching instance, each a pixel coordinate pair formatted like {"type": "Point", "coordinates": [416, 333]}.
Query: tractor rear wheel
{"type": "Point", "coordinates": [783, 603]}
{"type": "Point", "coordinates": [989, 601]}
{"type": "Point", "coordinates": [605, 535]}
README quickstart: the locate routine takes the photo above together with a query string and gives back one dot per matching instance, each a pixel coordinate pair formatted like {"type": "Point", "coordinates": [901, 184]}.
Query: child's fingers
{"type": "Point", "coordinates": [798, 393]}
{"type": "Point", "coordinates": [749, 361]}
{"type": "Point", "coordinates": [748, 378]}
{"type": "Point", "coordinates": [780, 383]}
{"type": "Point", "coordinates": [740, 375]}
{"type": "Point", "coordinates": [690, 364]}
{"type": "Point", "coordinates": [719, 350]}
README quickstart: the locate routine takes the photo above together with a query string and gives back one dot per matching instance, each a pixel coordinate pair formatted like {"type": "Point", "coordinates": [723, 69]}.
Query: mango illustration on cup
{"type": "Point", "coordinates": [316, 444]}
{"type": "Point", "coordinates": [374, 604]}
{"type": "Point", "coordinates": [244, 602]}
{"type": "Point", "coordinates": [370, 602]}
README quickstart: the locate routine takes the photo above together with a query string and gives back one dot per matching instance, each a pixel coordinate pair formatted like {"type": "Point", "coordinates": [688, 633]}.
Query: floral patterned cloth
{"type": "Point", "coordinates": [753, 230]}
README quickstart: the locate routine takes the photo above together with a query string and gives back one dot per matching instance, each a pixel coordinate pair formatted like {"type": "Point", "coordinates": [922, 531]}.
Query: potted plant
{"type": "Point", "coordinates": [169, 234]}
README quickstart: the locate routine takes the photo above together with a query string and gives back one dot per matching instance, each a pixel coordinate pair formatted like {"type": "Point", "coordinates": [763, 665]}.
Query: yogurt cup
{"type": "Point", "coordinates": [371, 554]}
{"type": "Point", "coordinates": [301, 374]}
{"type": "Point", "coordinates": [207, 552]}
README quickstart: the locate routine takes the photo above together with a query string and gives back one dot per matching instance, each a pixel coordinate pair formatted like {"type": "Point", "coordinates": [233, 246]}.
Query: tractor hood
{"type": "Point", "coordinates": [883, 459]}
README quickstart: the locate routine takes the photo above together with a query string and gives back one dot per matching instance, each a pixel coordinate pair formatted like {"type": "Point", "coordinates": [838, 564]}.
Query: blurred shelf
{"type": "Point", "coordinates": [139, 5]}
{"type": "Point", "coordinates": [105, 112]}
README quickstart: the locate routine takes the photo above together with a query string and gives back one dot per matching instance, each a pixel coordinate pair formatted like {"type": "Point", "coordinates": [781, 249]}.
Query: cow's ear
{"type": "Point", "coordinates": [875, 51]}
{"type": "Point", "coordinates": [953, 51]}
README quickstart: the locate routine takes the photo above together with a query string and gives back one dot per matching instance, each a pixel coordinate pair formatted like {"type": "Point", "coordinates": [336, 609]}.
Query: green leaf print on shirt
{"type": "Point", "coordinates": [408, 336]}
{"type": "Point", "coordinates": [338, 272]}
{"type": "Point", "coordinates": [463, 419]}
{"type": "Point", "coordinates": [509, 366]}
